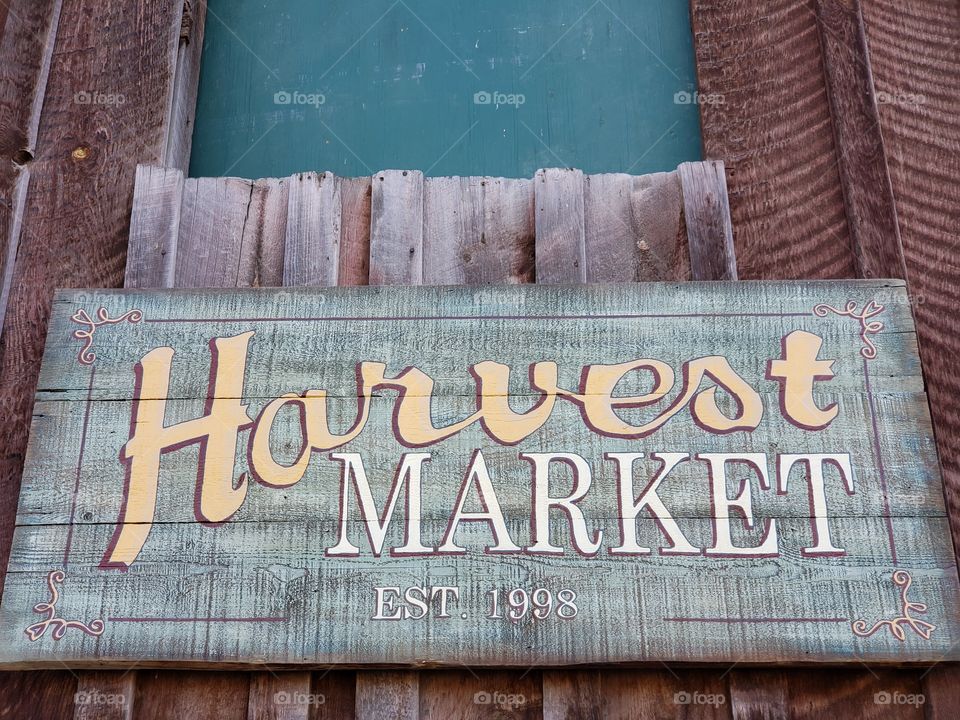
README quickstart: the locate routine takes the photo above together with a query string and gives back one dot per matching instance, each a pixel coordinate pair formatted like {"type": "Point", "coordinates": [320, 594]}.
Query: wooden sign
{"type": "Point", "coordinates": [500, 476]}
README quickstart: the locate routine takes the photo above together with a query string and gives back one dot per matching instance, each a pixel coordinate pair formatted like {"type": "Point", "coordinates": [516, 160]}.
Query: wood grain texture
{"type": "Point", "coordinates": [183, 101]}
{"type": "Point", "coordinates": [264, 235]}
{"type": "Point", "coordinates": [281, 696]}
{"type": "Point", "coordinates": [873, 693]}
{"type": "Point", "coordinates": [707, 216]}
{"type": "Point", "coordinates": [40, 694]}
{"type": "Point", "coordinates": [190, 694]}
{"type": "Point", "coordinates": [862, 161]}
{"type": "Point", "coordinates": [573, 695]}
{"type": "Point", "coordinates": [393, 695]}
{"type": "Point", "coordinates": [478, 231]}
{"type": "Point", "coordinates": [396, 228]}
{"type": "Point", "coordinates": [72, 219]}
{"type": "Point", "coordinates": [26, 49]}
{"type": "Point", "coordinates": [105, 695]}
{"type": "Point", "coordinates": [769, 120]}
{"type": "Point", "coordinates": [633, 227]}
{"type": "Point", "coordinates": [561, 234]}
{"type": "Point", "coordinates": [312, 255]}
{"type": "Point", "coordinates": [469, 694]}
{"type": "Point", "coordinates": [916, 67]}
{"type": "Point", "coordinates": [154, 228]}
{"type": "Point", "coordinates": [213, 221]}
{"type": "Point", "coordinates": [355, 197]}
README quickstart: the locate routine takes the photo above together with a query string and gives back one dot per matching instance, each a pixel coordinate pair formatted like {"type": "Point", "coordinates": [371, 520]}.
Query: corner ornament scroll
{"type": "Point", "coordinates": [868, 326]}
{"type": "Point", "coordinates": [87, 356]}
{"type": "Point", "coordinates": [901, 579]}
{"type": "Point", "coordinates": [59, 625]}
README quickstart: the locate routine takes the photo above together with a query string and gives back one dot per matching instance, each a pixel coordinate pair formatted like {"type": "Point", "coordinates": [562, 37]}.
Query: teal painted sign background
{"type": "Point", "coordinates": [449, 87]}
{"type": "Point", "coordinates": [533, 475]}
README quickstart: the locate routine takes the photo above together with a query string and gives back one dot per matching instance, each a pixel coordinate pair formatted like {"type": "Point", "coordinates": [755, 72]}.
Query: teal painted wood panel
{"type": "Point", "coordinates": [449, 87]}
{"type": "Point", "coordinates": [266, 585]}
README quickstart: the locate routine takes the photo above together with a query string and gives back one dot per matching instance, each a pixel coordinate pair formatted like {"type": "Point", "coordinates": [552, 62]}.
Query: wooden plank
{"type": "Point", "coordinates": [281, 696]}
{"type": "Point", "coordinates": [917, 77]}
{"type": "Point", "coordinates": [396, 228]}
{"type": "Point", "coordinates": [770, 694]}
{"type": "Point", "coordinates": [212, 225]}
{"type": "Point", "coordinates": [561, 236]}
{"type": "Point", "coordinates": [26, 49]}
{"type": "Point", "coordinates": [39, 693]}
{"type": "Point", "coordinates": [867, 190]}
{"type": "Point", "coordinates": [105, 695]}
{"type": "Point", "coordinates": [478, 231]}
{"type": "Point", "coordinates": [154, 228]}
{"type": "Point", "coordinates": [481, 694]}
{"type": "Point", "coordinates": [573, 695]}
{"type": "Point", "coordinates": [314, 225]}
{"type": "Point", "coordinates": [183, 101]}
{"type": "Point", "coordinates": [355, 196]}
{"type": "Point", "coordinates": [191, 694]}
{"type": "Point", "coordinates": [394, 695]}
{"type": "Point", "coordinates": [707, 216]}
{"type": "Point", "coordinates": [712, 618]}
{"type": "Point", "coordinates": [765, 112]}
{"type": "Point", "coordinates": [264, 235]}
{"type": "Point", "coordinates": [634, 228]}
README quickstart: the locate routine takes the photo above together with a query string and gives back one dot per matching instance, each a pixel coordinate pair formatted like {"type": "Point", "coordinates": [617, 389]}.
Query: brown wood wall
{"type": "Point", "coordinates": [824, 182]}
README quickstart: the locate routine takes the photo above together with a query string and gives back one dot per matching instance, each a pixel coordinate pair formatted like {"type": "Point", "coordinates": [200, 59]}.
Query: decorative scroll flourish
{"type": "Point", "coordinates": [87, 356]}
{"type": "Point", "coordinates": [902, 579]}
{"type": "Point", "coordinates": [59, 625]}
{"type": "Point", "coordinates": [868, 326]}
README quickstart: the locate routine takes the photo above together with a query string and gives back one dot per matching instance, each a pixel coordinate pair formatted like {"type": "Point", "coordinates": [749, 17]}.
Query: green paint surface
{"type": "Point", "coordinates": [356, 86]}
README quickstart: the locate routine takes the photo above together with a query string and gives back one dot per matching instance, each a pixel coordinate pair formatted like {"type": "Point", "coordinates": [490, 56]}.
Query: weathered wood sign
{"type": "Point", "coordinates": [512, 476]}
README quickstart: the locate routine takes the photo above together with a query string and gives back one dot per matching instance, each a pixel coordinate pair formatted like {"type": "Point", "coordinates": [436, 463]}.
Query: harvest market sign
{"type": "Point", "coordinates": [527, 475]}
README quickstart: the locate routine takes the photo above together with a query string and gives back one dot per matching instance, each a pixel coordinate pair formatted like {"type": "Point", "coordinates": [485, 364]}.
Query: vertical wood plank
{"type": "Point", "coordinates": [183, 105]}
{"type": "Point", "coordinates": [191, 694]}
{"type": "Point", "coordinates": [212, 223]}
{"type": "Point", "coordinates": [264, 235]}
{"type": "Point", "coordinates": [707, 215]}
{"type": "Point", "coordinates": [312, 254]}
{"type": "Point", "coordinates": [393, 695]}
{"type": "Point", "coordinates": [480, 694]}
{"type": "Point", "coordinates": [355, 200]}
{"type": "Point", "coordinates": [561, 235]}
{"type": "Point", "coordinates": [46, 694]}
{"type": "Point", "coordinates": [572, 695]}
{"type": "Point", "coordinates": [634, 228]}
{"type": "Point", "coordinates": [478, 230]}
{"type": "Point", "coordinates": [280, 696]}
{"type": "Point", "coordinates": [105, 695]}
{"type": "Point", "coordinates": [768, 118]}
{"type": "Point", "coordinates": [396, 228]}
{"type": "Point", "coordinates": [26, 50]}
{"type": "Point", "coordinates": [154, 228]}
{"type": "Point", "coordinates": [862, 161]}
{"type": "Point", "coordinates": [916, 69]}
{"type": "Point", "coordinates": [338, 688]}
